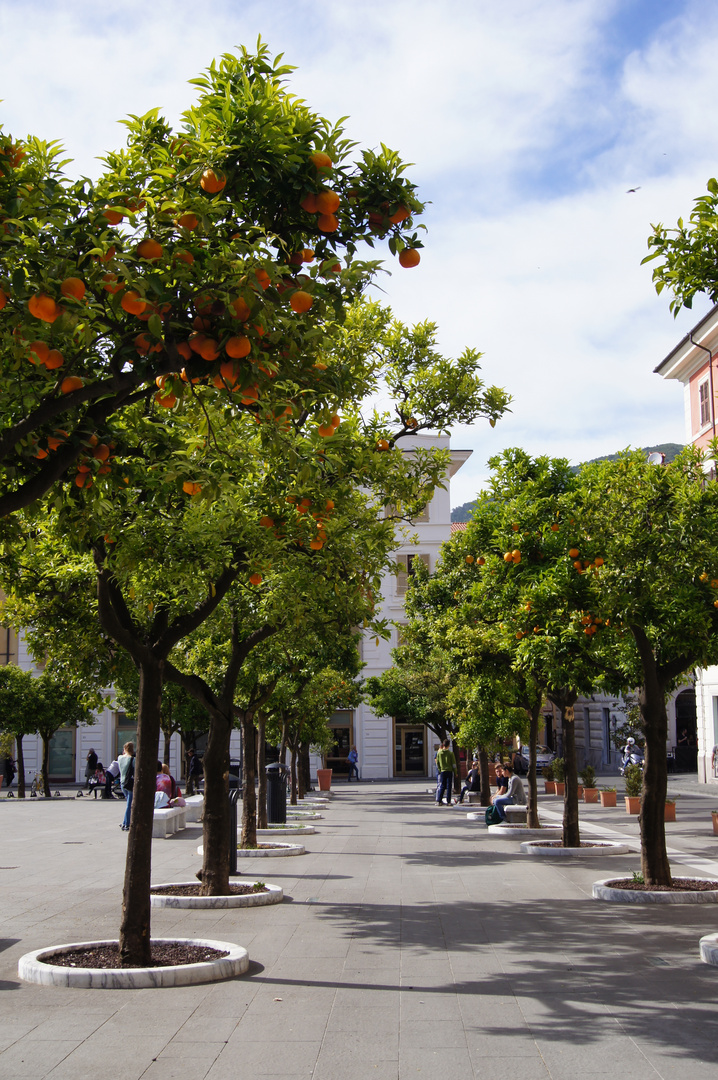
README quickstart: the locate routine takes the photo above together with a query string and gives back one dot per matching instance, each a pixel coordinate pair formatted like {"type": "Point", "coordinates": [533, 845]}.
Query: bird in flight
{"type": "Point", "coordinates": [632, 189]}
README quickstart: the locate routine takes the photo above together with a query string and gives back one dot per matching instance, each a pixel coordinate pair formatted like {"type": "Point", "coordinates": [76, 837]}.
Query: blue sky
{"type": "Point", "coordinates": [527, 121]}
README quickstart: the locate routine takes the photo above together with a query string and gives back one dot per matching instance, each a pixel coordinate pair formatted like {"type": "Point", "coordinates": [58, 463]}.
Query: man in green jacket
{"type": "Point", "coordinates": [446, 765]}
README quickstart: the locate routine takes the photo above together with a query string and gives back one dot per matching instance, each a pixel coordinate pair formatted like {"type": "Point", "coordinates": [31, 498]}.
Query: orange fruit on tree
{"type": "Point", "coordinates": [71, 383]}
{"type": "Point", "coordinates": [400, 214]}
{"type": "Point", "coordinates": [508, 557]}
{"type": "Point", "coordinates": [228, 372]}
{"type": "Point", "coordinates": [238, 346]}
{"type": "Point", "coordinates": [321, 160]}
{"type": "Point", "coordinates": [301, 301]}
{"type": "Point", "coordinates": [133, 303]}
{"type": "Point", "coordinates": [255, 579]}
{"type": "Point", "coordinates": [40, 453]}
{"type": "Point", "coordinates": [114, 217]}
{"type": "Point", "coordinates": [101, 452]}
{"type": "Point", "coordinates": [316, 545]}
{"type": "Point", "coordinates": [573, 553]}
{"type": "Point", "coordinates": [187, 221]}
{"type": "Point", "coordinates": [83, 480]}
{"type": "Point", "coordinates": [469, 559]}
{"type": "Point", "coordinates": [53, 442]}
{"type": "Point", "coordinates": [112, 285]}
{"type": "Point", "coordinates": [73, 287]}
{"type": "Point", "coordinates": [409, 257]}
{"type": "Point", "coordinates": [39, 351]}
{"type": "Point", "coordinates": [149, 249]}
{"type": "Point", "coordinates": [240, 308]}
{"type": "Point", "coordinates": [328, 202]}
{"type": "Point", "coordinates": [335, 420]}
{"type": "Point", "coordinates": [516, 556]}
{"type": "Point", "coordinates": [309, 203]}
{"type": "Point", "coordinates": [326, 430]}
{"type": "Point", "coordinates": [43, 307]}
{"type": "Point", "coordinates": [262, 277]}
{"type": "Point", "coordinates": [382, 444]}
{"type": "Point", "coordinates": [209, 350]}
{"type": "Point", "coordinates": [598, 561]}
{"type": "Point", "coordinates": [554, 527]}
{"type": "Point", "coordinates": [54, 360]}
{"type": "Point", "coordinates": [267, 522]}
{"type": "Point", "coordinates": [191, 487]}
{"type": "Point", "coordinates": [184, 350]}
{"type": "Point", "coordinates": [307, 255]}
{"type": "Point", "coordinates": [327, 223]}
{"type": "Point", "coordinates": [196, 341]}
{"type": "Point", "coordinates": [184, 256]}
{"type": "Point", "coordinates": [212, 181]}
{"type": "Point", "coordinates": [165, 401]}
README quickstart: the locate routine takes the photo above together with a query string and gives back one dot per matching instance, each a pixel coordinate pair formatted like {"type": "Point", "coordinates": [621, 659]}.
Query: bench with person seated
{"type": "Point", "coordinates": [168, 821]}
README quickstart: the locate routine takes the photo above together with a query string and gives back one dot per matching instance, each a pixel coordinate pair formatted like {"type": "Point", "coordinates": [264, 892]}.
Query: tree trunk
{"type": "Point", "coordinates": [46, 766]}
{"type": "Point", "coordinates": [216, 839]}
{"type": "Point", "coordinates": [249, 796]}
{"type": "Point", "coordinates": [485, 777]}
{"type": "Point", "coordinates": [261, 775]}
{"type": "Point", "coordinates": [293, 768]}
{"type": "Point", "coordinates": [135, 926]}
{"type": "Point", "coordinates": [20, 758]}
{"type": "Point", "coordinates": [532, 814]}
{"type": "Point", "coordinates": [305, 768]}
{"type": "Point", "coordinates": [571, 833]}
{"type": "Point", "coordinates": [283, 743]}
{"type": "Point", "coordinates": [652, 702]}
{"type": "Point", "coordinates": [167, 732]}
{"type": "Point", "coordinates": [301, 786]}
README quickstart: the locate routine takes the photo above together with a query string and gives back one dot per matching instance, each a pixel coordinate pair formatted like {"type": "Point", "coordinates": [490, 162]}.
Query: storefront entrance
{"type": "Point", "coordinates": [409, 750]}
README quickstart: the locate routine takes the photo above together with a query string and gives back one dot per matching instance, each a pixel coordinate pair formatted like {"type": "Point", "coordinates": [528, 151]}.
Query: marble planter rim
{"type": "Point", "coordinates": [293, 830]}
{"type": "Point", "coordinates": [274, 895]}
{"type": "Point", "coordinates": [31, 968]}
{"type": "Point", "coordinates": [277, 851]}
{"type": "Point", "coordinates": [602, 847]}
{"type": "Point", "coordinates": [708, 946]}
{"type": "Point", "coordinates": [304, 815]}
{"type": "Point", "coordinates": [520, 832]}
{"type": "Point", "coordinates": [601, 890]}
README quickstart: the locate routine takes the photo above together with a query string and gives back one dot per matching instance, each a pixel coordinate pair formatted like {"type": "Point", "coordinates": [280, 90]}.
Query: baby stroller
{"type": "Point", "coordinates": [97, 781]}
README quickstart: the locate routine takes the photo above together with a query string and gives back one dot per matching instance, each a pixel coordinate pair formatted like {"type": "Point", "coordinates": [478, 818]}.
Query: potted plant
{"type": "Point", "coordinates": [588, 779]}
{"type": "Point", "coordinates": [608, 796]}
{"type": "Point", "coordinates": [558, 772]}
{"type": "Point", "coordinates": [634, 783]}
{"type": "Point", "coordinates": [549, 785]}
{"type": "Point", "coordinates": [670, 810]}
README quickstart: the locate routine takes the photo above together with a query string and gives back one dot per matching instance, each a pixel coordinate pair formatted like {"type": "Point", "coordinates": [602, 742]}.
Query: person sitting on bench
{"type": "Point", "coordinates": [472, 782]}
{"type": "Point", "coordinates": [514, 795]}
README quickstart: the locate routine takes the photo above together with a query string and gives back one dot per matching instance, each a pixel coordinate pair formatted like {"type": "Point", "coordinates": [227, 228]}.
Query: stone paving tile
{"type": "Point", "coordinates": [27, 1058]}
{"type": "Point", "coordinates": [265, 1056]}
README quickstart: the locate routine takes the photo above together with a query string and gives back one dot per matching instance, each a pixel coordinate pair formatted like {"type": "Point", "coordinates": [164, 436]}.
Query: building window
{"type": "Point", "coordinates": [704, 399]}
{"type": "Point", "coordinates": [406, 564]}
{"type": "Point", "coordinates": [125, 731]}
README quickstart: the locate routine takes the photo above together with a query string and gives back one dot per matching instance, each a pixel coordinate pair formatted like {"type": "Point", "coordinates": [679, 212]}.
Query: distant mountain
{"type": "Point", "coordinates": [670, 450]}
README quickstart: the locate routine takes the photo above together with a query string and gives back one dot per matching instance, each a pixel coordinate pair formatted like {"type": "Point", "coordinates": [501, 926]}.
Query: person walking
{"type": "Point", "coordinates": [8, 772]}
{"type": "Point", "coordinates": [194, 770]}
{"type": "Point", "coordinates": [353, 763]}
{"type": "Point", "coordinates": [126, 761]}
{"type": "Point", "coordinates": [91, 766]}
{"type": "Point", "coordinates": [446, 765]}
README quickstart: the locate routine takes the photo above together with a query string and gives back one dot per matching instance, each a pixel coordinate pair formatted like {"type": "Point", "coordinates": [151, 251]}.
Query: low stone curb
{"type": "Point", "coordinates": [31, 969]}
{"type": "Point", "coordinates": [277, 851]}
{"type": "Point", "coordinates": [602, 891]}
{"type": "Point", "coordinates": [517, 832]}
{"type": "Point", "coordinates": [600, 847]}
{"type": "Point", "coordinates": [709, 949]}
{"type": "Point", "coordinates": [303, 815]}
{"type": "Point", "coordinates": [275, 895]}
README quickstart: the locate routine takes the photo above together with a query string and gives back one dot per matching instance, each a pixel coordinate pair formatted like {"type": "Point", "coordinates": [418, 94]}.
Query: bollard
{"type": "Point", "coordinates": [276, 794]}
{"type": "Point", "coordinates": [233, 796]}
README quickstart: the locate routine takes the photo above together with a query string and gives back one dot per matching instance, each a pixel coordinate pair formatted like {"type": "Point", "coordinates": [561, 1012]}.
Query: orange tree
{"type": "Point", "coordinates": [217, 254]}
{"type": "Point", "coordinates": [656, 526]}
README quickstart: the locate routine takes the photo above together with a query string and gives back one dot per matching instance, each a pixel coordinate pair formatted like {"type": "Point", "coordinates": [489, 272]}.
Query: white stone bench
{"type": "Point", "coordinates": [194, 807]}
{"type": "Point", "coordinates": [515, 815]}
{"type": "Point", "coordinates": [168, 821]}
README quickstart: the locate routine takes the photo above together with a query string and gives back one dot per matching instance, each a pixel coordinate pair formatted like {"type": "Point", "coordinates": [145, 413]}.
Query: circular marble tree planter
{"type": "Point", "coordinates": [274, 895]}
{"type": "Point", "coordinates": [521, 832]}
{"type": "Point", "coordinates": [313, 805]}
{"type": "Point", "coordinates": [279, 830]}
{"type": "Point", "coordinates": [303, 815]}
{"type": "Point", "coordinates": [598, 847]}
{"type": "Point", "coordinates": [602, 891]}
{"type": "Point", "coordinates": [31, 968]}
{"type": "Point", "coordinates": [276, 851]}
{"type": "Point", "coordinates": [709, 949]}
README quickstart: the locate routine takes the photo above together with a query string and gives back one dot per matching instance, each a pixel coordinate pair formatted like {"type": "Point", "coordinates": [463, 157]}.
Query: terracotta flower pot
{"type": "Point", "coordinates": [550, 787]}
{"type": "Point", "coordinates": [669, 814]}
{"type": "Point", "coordinates": [714, 815]}
{"type": "Point", "coordinates": [324, 779]}
{"type": "Point", "coordinates": [560, 787]}
{"type": "Point", "coordinates": [590, 794]}
{"type": "Point", "coordinates": [633, 804]}
{"type": "Point", "coordinates": [608, 798]}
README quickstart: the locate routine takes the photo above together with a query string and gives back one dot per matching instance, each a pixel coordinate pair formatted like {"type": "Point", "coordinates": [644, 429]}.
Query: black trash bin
{"type": "Point", "coordinates": [233, 838]}
{"type": "Point", "coordinates": [276, 794]}
{"type": "Point", "coordinates": [235, 775]}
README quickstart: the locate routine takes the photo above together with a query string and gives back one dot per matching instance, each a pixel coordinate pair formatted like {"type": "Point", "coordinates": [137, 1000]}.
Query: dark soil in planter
{"type": "Point", "coordinates": [557, 843]}
{"type": "Point", "coordinates": [171, 954]}
{"type": "Point", "coordinates": [193, 890]}
{"type": "Point", "coordinates": [679, 885]}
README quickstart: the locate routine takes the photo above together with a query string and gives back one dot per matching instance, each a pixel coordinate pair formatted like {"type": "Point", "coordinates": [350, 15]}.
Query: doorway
{"type": "Point", "coordinates": [409, 750]}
